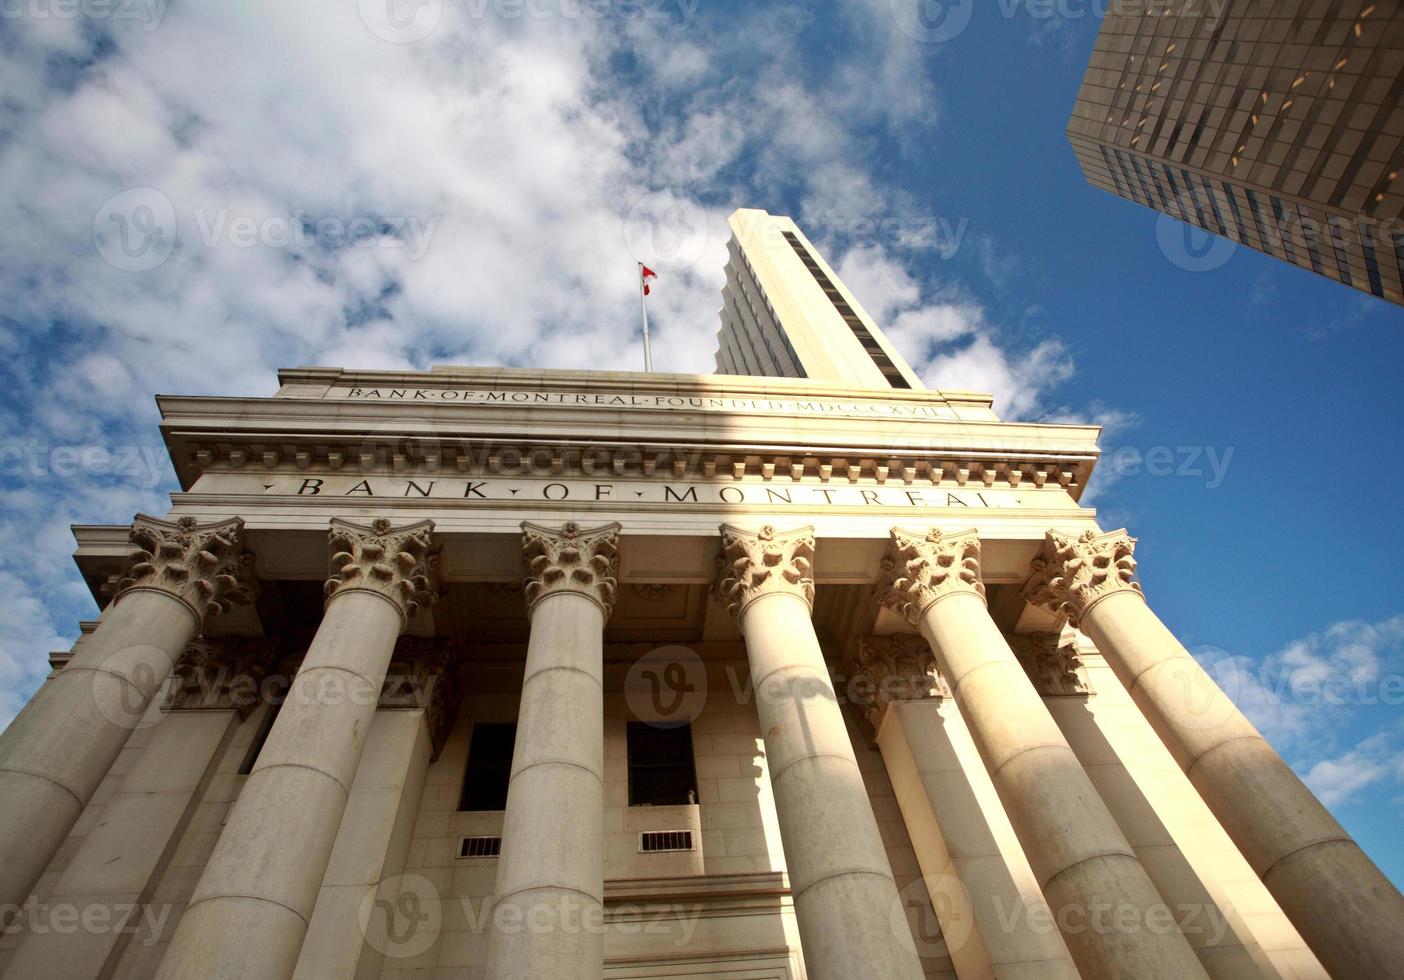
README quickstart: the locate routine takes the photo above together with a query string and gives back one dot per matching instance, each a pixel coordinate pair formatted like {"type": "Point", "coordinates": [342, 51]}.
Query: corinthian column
{"type": "Point", "coordinates": [840, 877]}
{"type": "Point", "coordinates": [250, 910]}
{"type": "Point", "coordinates": [58, 749]}
{"type": "Point", "coordinates": [1109, 912]}
{"type": "Point", "coordinates": [1349, 913]}
{"type": "Point", "coordinates": [550, 877]}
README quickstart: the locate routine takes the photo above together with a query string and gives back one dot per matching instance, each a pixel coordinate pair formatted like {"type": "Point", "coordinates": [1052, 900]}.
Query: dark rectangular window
{"type": "Point", "coordinates": [1309, 235]}
{"type": "Point", "coordinates": [1372, 268]}
{"type": "Point", "coordinates": [489, 768]}
{"type": "Point", "coordinates": [1213, 204]}
{"type": "Point", "coordinates": [1338, 245]}
{"type": "Point", "coordinates": [661, 770]}
{"type": "Point", "coordinates": [1280, 214]}
{"type": "Point", "coordinates": [1237, 214]}
{"type": "Point", "coordinates": [1258, 220]}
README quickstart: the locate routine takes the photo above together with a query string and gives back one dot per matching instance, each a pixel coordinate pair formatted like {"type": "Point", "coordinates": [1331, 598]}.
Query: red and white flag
{"type": "Point", "coordinates": [646, 273]}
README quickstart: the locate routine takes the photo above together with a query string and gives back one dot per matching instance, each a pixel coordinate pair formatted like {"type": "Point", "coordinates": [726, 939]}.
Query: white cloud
{"type": "Point", "coordinates": [1329, 702]}
{"type": "Point", "coordinates": [516, 147]}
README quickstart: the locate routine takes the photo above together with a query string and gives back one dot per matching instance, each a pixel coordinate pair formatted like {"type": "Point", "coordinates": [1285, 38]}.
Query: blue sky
{"type": "Point", "coordinates": [478, 177]}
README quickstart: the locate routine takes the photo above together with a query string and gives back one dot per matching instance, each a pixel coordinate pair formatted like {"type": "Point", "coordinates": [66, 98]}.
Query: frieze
{"type": "Point", "coordinates": [658, 401]}
{"type": "Point", "coordinates": [699, 494]}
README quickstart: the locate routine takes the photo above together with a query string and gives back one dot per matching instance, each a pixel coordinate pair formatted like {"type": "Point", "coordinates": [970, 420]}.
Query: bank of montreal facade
{"type": "Point", "coordinates": [627, 675]}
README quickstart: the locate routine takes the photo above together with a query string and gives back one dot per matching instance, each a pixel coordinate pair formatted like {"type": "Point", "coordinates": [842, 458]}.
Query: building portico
{"type": "Point", "coordinates": [609, 684]}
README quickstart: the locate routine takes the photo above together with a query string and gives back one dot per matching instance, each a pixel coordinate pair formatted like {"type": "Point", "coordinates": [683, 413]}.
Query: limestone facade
{"type": "Point", "coordinates": [500, 673]}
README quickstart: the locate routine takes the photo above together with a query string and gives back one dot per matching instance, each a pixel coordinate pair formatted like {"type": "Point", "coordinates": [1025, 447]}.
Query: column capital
{"type": "Point", "coordinates": [896, 667]}
{"type": "Point", "coordinates": [424, 674]}
{"type": "Point", "coordinates": [570, 558]}
{"type": "Point", "coordinates": [1053, 666]}
{"type": "Point", "coordinates": [764, 562]}
{"type": "Point", "coordinates": [221, 675]}
{"type": "Point", "coordinates": [197, 564]}
{"type": "Point", "coordinates": [401, 565]}
{"type": "Point", "coordinates": [923, 569]}
{"type": "Point", "coordinates": [1071, 574]}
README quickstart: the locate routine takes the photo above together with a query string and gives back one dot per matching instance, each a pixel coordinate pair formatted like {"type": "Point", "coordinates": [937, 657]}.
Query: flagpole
{"type": "Point", "coordinates": [643, 307]}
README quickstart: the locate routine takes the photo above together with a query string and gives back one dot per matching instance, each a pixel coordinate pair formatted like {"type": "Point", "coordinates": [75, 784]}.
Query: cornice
{"type": "Point", "coordinates": [962, 463]}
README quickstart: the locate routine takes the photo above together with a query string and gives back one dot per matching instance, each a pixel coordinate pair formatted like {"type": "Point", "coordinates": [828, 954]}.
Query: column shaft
{"type": "Point", "coordinates": [249, 913]}
{"type": "Point", "coordinates": [56, 752]}
{"type": "Point", "coordinates": [961, 834]}
{"type": "Point", "coordinates": [372, 841]}
{"type": "Point", "coordinates": [844, 892]}
{"type": "Point", "coordinates": [549, 911]}
{"type": "Point", "coordinates": [115, 868]}
{"type": "Point", "coordinates": [1348, 912]}
{"type": "Point", "coordinates": [1088, 872]}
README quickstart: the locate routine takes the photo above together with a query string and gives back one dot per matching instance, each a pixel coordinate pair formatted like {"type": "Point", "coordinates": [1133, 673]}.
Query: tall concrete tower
{"type": "Point", "coordinates": [787, 314]}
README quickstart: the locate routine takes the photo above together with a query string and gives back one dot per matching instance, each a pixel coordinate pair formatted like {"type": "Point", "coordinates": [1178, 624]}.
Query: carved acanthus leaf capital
{"type": "Point", "coordinates": [925, 568]}
{"type": "Point", "coordinates": [570, 558]}
{"type": "Point", "coordinates": [424, 674]}
{"type": "Point", "coordinates": [400, 564]}
{"type": "Point", "coordinates": [897, 667]}
{"type": "Point", "coordinates": [1052, 664]}
{"type": "Point", "coordinates": [221, 675]}
{"type": "Point", "coordinates": [199, 564]}
{"type": "Point", "coordinates": [1072, 573]}
{"type": "Point", "coordinates": [765, 562]}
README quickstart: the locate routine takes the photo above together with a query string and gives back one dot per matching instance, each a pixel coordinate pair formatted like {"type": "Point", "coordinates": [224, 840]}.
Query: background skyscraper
{"type": "Point", "coordinates": [785, 313]}
{"type": "Point", "coordinates": [1274, 123]}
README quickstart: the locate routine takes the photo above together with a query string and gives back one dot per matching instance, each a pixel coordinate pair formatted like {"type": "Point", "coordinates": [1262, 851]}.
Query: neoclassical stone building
{"type": "Point", "coordinates": [512, 674]}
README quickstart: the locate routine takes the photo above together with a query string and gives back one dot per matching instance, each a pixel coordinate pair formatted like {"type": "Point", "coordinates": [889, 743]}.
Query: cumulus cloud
{"type": "Point", "coordinates": [1330, 701]}
{"type": "Point", "coordinates": [194, 199]}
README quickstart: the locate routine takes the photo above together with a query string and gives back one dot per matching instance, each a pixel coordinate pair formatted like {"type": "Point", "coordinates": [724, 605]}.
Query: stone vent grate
{"type": "Point", "coordinates": [653, 841]}
{"type": "Point", "coordinates": [480, 847]}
